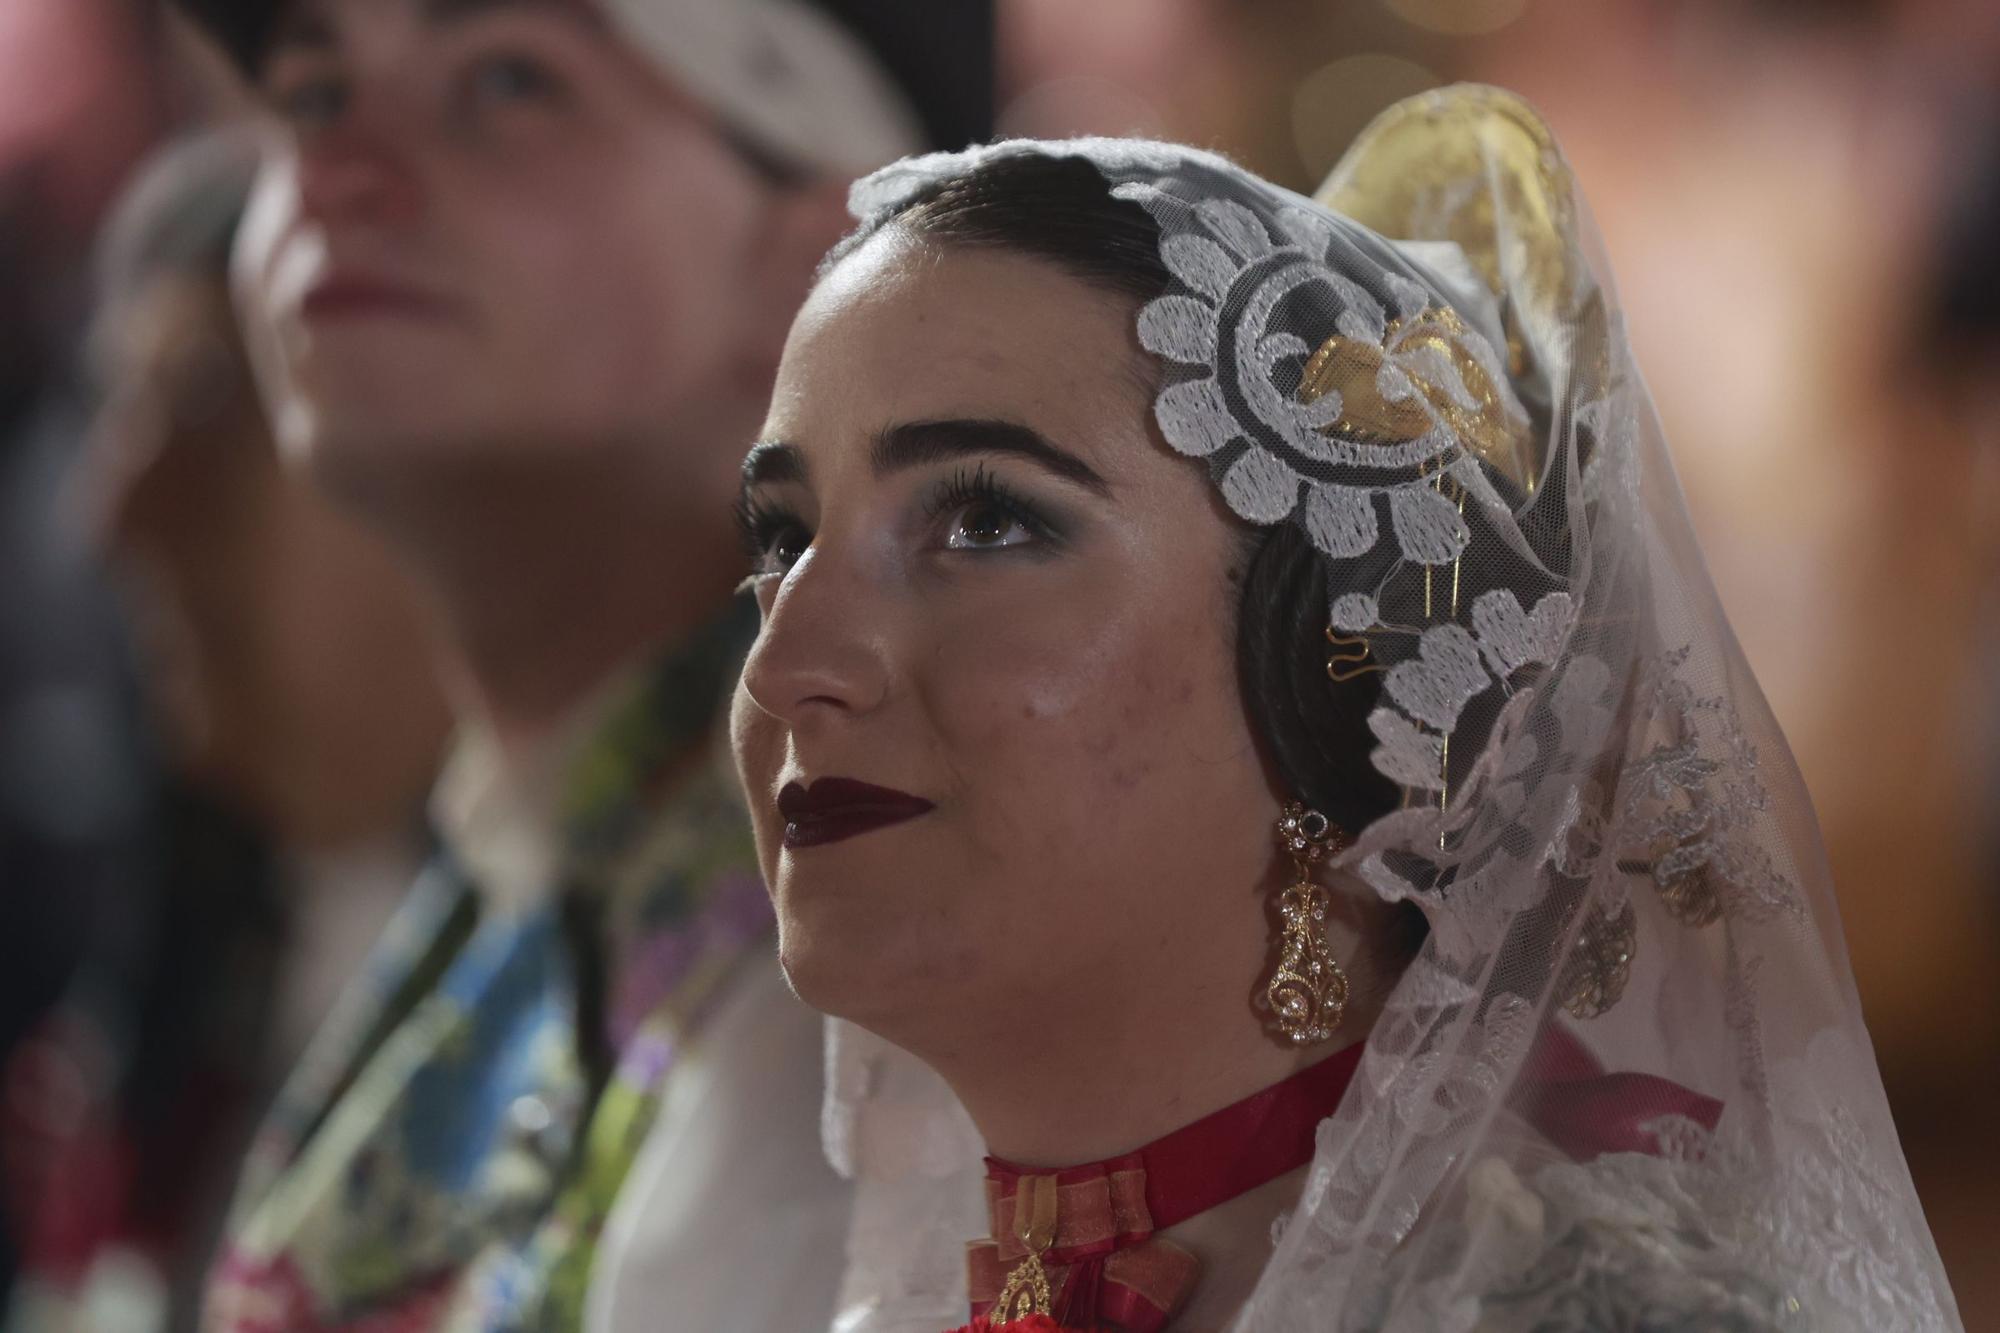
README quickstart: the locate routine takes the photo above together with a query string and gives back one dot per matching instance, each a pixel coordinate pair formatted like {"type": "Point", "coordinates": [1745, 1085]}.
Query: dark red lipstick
{"type": "Point", "coordinates": [833, 809]}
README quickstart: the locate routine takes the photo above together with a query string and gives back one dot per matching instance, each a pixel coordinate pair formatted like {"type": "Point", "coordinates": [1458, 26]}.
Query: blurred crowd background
{"type": "Point", "coordinates": [219, 714]}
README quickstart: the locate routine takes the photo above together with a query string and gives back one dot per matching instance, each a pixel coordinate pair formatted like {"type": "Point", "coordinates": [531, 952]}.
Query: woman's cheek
{"type": "Point", "coordinates": [1066, 714]}
{"type": "Point", "coordinates": [1006, 679]}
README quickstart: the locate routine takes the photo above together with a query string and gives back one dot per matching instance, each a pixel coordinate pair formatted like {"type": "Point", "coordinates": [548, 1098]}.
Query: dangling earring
{"type": "Point", "coordinates": [1308, 992]}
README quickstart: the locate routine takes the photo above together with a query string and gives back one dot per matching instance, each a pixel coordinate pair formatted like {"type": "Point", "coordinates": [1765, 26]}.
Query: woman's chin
{"type": "Point", "coordinates": [878, 977]}
{"type": "Point", "coordinates": [835, 969]}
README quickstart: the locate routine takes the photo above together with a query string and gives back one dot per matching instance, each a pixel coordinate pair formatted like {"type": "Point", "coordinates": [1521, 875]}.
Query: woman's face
{"type": "Point", "coordinates": [988, 587]}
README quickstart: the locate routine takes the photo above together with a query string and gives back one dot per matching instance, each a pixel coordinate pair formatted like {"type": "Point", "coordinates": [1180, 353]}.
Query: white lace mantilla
{"type": "Point", "coordinates": [1424, 371]}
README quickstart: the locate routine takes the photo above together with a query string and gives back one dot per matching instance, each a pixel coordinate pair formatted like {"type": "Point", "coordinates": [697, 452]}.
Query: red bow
{"type": "Point", "coordinates": [1094, 1225]}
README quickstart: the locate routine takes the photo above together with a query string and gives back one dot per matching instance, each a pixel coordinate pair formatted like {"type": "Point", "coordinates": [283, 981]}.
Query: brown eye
{"type": "Point", "coordinates": [787, 546]}
{"type": "Point", "coordinates": [984, 525]}
{"type": "Point", "coordinates": [974, 511]}
{"type": "Point", "coordinates": [773, 541]}
{"type": "Point", "coordinates": [777, 547]}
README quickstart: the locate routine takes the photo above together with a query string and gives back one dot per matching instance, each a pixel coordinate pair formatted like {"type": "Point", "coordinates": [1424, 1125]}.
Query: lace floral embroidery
{"type": "Point", "coordinates": [1692, 802]}
{"type": "Point", "coordinates": [1565, 769]}
{"type": "Point", "coordinates": [1700, 1235]}
{"type": "Point", "coordinates": [1272, 447]}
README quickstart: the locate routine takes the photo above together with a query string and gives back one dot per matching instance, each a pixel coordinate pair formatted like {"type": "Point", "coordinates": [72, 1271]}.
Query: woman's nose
{"type": "Point", "coordinates": [822, 653]}
{"type": "Point", "coordinates": [356, 170]}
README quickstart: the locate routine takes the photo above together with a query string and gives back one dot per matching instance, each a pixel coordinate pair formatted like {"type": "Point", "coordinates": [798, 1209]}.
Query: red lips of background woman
{"type": "Point", "coordinates": [834, 809]}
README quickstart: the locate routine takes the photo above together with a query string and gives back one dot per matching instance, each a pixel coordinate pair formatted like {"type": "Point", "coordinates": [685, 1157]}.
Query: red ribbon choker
{"type": "Point", "coordinates": [1091, 1228]}
{"type": "Point", "coordinates": [1086, 1234]}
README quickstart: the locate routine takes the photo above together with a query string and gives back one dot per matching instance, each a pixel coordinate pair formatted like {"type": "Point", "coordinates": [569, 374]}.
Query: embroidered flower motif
{"type": "Point", "coordinates": [1388, 407]}
{"type": "Point", "coordinates": [1329, 384]}
{"type": "Point", "coordinates": [1452, 666]}
{"type": "Point", "coordinates": [1692, 803]}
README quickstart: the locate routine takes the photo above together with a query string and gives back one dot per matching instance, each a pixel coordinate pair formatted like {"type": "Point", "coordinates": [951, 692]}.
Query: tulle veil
{"type": "Point", "coordinates": [1626, 1084]}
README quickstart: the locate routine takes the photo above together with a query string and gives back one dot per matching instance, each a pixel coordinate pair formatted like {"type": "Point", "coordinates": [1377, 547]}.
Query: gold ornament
{"type": "Point", "coordinates": [1598, 968]}
{"type": "Point", "coordinates": [1027, 1290]}
{"type": "Point", "coordinates": [1405, 177]}
{"type": "Point", "coordinates": [1352, 367]}
{"type": "Point", "coordinates": [1351, 658]}
{"type": "Point", "coordinates": [1307, 994]}
{"type": "Point", "coordinates": [1687, 884]}
{"type": "Point", "coordinates": [1691, 898]}
{"type": "Point", "coordinates": [1026, 1293]}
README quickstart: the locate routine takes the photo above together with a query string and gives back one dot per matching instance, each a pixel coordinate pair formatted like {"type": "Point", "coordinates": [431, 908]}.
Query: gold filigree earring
{"type": "Point", "coordinates": [1307, 993]}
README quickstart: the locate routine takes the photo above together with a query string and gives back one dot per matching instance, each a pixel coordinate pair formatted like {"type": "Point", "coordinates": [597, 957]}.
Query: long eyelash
{"type": "Point", "coordinates": [758, 524]}
{"type": "Point", "coordinates": [979, 486]}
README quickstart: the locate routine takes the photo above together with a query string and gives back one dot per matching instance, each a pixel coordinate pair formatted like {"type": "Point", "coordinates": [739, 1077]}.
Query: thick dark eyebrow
{"type": "Point", "coordinates": [917, 443]}
{"type": "Point", "coordinates": [772, 463]}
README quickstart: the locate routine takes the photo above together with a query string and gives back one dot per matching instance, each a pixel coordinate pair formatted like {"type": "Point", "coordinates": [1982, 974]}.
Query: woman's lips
{"type": "Point", "coordinates": [832, 809]}
{"type": "Point", "coordinates": [347, 296]}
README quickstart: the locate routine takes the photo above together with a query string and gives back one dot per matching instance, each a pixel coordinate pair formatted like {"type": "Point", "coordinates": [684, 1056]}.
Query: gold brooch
{"type": "Point", "coordinates": [1027, 1290]}
{"type": "Point", "coordinates": [1352, 367]}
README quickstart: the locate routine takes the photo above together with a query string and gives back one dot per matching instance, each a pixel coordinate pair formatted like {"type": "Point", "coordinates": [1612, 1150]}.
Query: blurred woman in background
{"type": "Point", "coordinates": [300, 719]}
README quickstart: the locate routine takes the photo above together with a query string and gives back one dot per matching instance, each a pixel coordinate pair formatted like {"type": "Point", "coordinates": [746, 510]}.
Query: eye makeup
{"type": "Point", "coordinates": [773, 535]}
{"type": "Point", "coordinates": [967, 490]}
